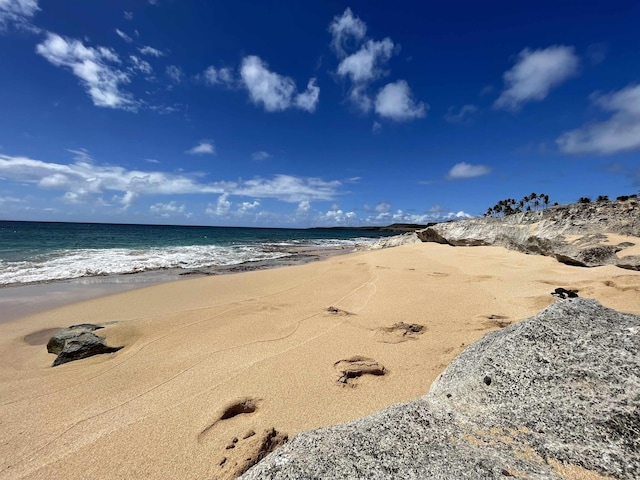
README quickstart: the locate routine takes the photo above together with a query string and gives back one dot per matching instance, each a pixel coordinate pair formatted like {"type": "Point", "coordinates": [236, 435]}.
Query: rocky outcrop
{"type": "Point", "coordinates": [554, 395]}
{"type": "Point", "coordinates": [394, 241]}
{"type": "Point", "coordinates": [77, 342]}
{"type": "Point", "coordinates": [546, 232]}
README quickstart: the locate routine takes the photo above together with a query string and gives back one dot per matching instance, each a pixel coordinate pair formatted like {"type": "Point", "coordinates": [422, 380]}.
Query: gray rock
{"type": "Point", "coordinates": [77, 342]}
{"type": "Point", "coordinates": [563, 386]}
{"type": "Point", "coordinates": [543, 232]}
{"type": "Point", "coordinates": [630, 262]}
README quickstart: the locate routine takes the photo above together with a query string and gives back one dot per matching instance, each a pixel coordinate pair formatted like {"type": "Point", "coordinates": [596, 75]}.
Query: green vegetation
{"type": "Point", "coordinates": [509, 206]}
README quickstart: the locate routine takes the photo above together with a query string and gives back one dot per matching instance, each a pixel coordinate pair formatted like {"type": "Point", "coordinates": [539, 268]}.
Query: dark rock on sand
{"type": "Point", "coordinates": [558, 391]}
{"type": "Point", "coordinates": [564, 293]}
{"type": "Point", "coordinates": [77, 342]}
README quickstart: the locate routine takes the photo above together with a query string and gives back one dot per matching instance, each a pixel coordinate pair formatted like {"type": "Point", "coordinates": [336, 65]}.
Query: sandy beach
{"type": "Point", "coordinates": [211, 364]}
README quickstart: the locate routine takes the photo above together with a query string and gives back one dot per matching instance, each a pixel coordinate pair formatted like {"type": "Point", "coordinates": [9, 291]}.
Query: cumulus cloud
{"type": "Point", "coordinates": [88, 182]}
{"type": "Point", "coordinates": [461, 115]}
{"type": "Point", "coordinates": [261, 155]}
{"type": "Point", "coordinates": [466, 170]}
{"type": "Point", "coordinates": [153, 52]}
{"type": "Point", "coordinates": [619, 133]}
{"type": "Point", "coordinates": [93, 66]}
{"type": "Point", "coordinates": [535, 74]}
{"type": "Point", "coordinates": [273, 91]}
{"type": "Point", "coordinates": [346, 31]}
{"type": "Point", "coordinates": [246, 207]}
{"type": "Point", "coordinates": [17, 12]}
{"type": "Point", "coordinates": [218, 76]}
{"type": "Point", "coordinates": [337, 216]}
{"type": "Point", "coordinates": [366, 64]}
{"type": "Point", "coordinates": [395, 101]}
{"type": "Point", "coordinates": [221, 207]}
{"type": "Point", "coordinates": [124, 36]}
{"type": "Point", "coordinates": [205, 147]}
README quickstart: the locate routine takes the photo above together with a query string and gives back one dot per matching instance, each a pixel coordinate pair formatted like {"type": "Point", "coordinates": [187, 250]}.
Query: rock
{"type": "Point", "coordinates": [630, 262]}
{"type": "Point", "coordinates": [559, 391]}
{"type": "Point", "coordinates": [543, 232]}
{"type": "Point", "coordinates": [394, 241]}
{"type": "Point", "coordinates": [77, 342]}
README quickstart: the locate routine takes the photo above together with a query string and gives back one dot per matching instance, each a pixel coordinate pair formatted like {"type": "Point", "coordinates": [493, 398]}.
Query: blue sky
{"type": "Point", "coordinates": [299, 114]}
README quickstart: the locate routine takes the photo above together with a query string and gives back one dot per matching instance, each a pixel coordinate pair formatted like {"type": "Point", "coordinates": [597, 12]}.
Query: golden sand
{"type": "Point", "coordinates": [211, 364]}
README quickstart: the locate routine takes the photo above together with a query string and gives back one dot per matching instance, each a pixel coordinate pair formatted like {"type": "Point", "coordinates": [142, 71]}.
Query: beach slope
{"type": "Point", "coordinates": [217, 371]}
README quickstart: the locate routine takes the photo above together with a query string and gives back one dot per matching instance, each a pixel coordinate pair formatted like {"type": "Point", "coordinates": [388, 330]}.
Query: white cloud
{"type": "Point", "coordinates": [383, 207]}
{"type": "Point", "coordinates": [346, 31]}
{"type": "Point", "coordinates": [336, 216]}
{"type": "Point", "coordinates": [140, 65]}
{"type": "Point", "coordinates": [147, 50]}
{"type": "Point", "coordinates": [535, 74]}
{"type": "Point", "coordinates": [621, 132]}
{"type": "Point", "coordinates": [167, 209]}
{"type": "Point", "coordinates": [128, 15]}
{"type": "Point", "coordinates": [365, 65]}
{"type": "Point", "coordinates": [273, 91]}
{"type": "Point", "coordinates": [290, 189]}
{"type": "Point", "coordinates": [308, 99]}
{"type": "Point", "coordinates": [218, 76]}
{"type": "Point", "coordinates": [463, 113]}
{"type": "Point", "coordinates": [466, 170]}
{"type": "Point", "coordinates": [261, 155]}
{"type": "Point", "coordinates": [87, 181]}
{"type": "Point", "coordinates": [303, 208]}
{"type": "Point", "coordinates": [18, 12]}
{"type": "Point", "coordinates": [92, 66]}
{"type": "Point", "coordinates": [246, 207]}
{"type": "Point", "coordinates": [377, 127]}
{"type": "Point", "coordinates": [360, 98]}
{"type": "Point", "coordinates": [124, 36]}
{"type": "Point", "coordinates": [204, 147]}
{"type": "Point", "coordinates": [221, 208]}
{"type": "Point", "coordinates": [395, 101]}
{"type": "Point", "coordinates": [175, 73]}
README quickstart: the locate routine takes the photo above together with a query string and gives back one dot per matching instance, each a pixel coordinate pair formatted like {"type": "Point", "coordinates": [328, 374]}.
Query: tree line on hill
{"type": "Point", "coordinates": [509, 206]}
{"type": "Point", "coordinates": [535, 201]}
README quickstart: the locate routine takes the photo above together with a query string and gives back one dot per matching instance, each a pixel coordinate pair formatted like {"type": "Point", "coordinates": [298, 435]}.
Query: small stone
{"type": "Point", "coordinates": [487, 380]}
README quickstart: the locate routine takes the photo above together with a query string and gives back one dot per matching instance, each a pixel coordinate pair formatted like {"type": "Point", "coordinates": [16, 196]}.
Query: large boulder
{"type": "Point", "coordinates": [76, 342]}
{"type": "Point", "coordinates": [554, 395]}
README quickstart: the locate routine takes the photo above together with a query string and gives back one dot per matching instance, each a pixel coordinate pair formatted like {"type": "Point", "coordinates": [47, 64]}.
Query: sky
{"type": "Point", "coordinates": [313, 113]}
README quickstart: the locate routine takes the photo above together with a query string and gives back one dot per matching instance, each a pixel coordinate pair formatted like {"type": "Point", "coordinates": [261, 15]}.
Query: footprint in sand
{"type": "Point", "coordinates": [243, 452]}
{"type": "Point", "coordinates": [240, 407]}
{"type": "Point", "coordinates": [399, 332]}
{"type": "Point", "coordinates": [339, 312]}
{"type": "Point", "coordinates": [353, 368]}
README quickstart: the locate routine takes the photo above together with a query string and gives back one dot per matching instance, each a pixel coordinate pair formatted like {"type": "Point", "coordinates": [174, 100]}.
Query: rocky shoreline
{"type": "Point", "coordinates": [573, 234]}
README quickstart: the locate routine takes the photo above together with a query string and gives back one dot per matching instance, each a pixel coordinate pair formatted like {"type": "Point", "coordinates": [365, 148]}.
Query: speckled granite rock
{"type": "Point", "coordinates": [558, 391]}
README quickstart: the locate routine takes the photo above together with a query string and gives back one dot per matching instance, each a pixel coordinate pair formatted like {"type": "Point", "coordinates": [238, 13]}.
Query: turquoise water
{"type": "Point", "coordinates": [43, 252]}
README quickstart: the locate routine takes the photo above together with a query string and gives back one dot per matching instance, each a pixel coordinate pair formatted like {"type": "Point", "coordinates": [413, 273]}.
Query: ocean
{"type": "Point", "coordinates": [44, 252]}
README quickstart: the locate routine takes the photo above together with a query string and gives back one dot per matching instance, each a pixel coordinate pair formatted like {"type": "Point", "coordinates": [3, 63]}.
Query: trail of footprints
{"type": "Point", "coordinates": [243, 451]}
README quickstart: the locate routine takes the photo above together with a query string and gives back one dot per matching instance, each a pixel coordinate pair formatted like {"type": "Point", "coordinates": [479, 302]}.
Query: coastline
{"type": "Point", "coordinates": [22, 300]}
{"type": "Point", "coordinates": [197, 349]}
